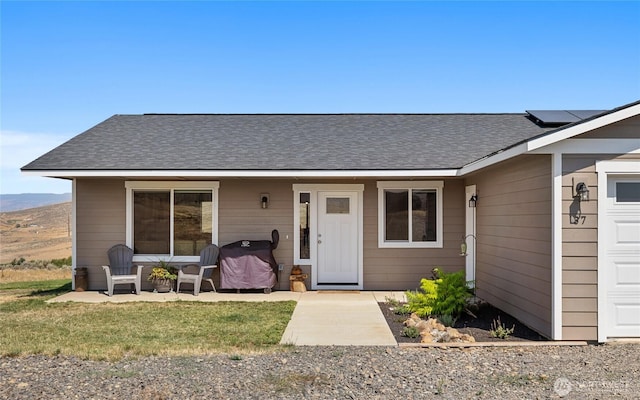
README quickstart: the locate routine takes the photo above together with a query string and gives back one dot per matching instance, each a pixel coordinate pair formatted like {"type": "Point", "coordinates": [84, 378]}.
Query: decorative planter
{"type": "Point", "coordinates": [162, 285]}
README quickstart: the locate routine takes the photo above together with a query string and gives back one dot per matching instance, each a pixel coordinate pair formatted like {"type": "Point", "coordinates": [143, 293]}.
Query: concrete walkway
{"type": "Point", "coordinates": [323, 318]}
{"type": "Point", "coordinates": [339, 319]}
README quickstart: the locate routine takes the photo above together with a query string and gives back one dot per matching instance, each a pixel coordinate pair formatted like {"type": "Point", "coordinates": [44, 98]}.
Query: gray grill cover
{"type": "Point", "coordinates": [248, 264]}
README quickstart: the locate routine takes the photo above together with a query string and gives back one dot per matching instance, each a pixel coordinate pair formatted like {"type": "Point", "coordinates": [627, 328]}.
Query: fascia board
{"type": "Point", "coordinates": [242, 174]}
{"type": "Point", "coordinates": [494, 159]}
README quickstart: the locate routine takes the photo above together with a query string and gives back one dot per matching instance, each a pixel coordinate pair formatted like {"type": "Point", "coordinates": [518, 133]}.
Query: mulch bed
{"type": "Point", "coordinates": [478, 327]}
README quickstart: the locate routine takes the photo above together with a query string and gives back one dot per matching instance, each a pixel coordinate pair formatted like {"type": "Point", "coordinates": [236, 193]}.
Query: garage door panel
{"type": "Point", "coordinates": [626, 275]}
{"type": "Point", "coordinates": [622, 257]}
{"type": "Point", "coordinates": [625, 313]}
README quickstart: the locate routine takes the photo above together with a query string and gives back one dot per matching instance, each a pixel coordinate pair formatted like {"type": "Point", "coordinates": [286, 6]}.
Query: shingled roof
{"type": "Point", "coordinates": [227, 142]}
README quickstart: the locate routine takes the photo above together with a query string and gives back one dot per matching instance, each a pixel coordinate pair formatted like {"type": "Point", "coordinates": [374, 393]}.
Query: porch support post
{"type": "Point", "coordinates": [74, 236]}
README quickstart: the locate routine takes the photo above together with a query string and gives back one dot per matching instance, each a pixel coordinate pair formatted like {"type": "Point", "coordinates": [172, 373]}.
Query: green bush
{"type": "Point", "coordinates": [62, 262]}
{"type": "Point", "coordinates": [410, 332]}
{"type": "Point", "coordinates": [445, 295]}
{"type": "Point", "coordinates": [499, 330]}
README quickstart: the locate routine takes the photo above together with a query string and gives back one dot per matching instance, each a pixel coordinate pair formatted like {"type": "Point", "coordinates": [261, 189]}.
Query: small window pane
{"type": "Point", "coordinates": [628, 192]}
{"type": "Point", "coordinates": [305, 252]}
{"type": "Point", "coordinates": [337, 205]}
{"type": "Point", "coordinates": [151, 222]}
{"type": "Point", "coordinates": [191, 222]}
{"type": "Point", "coordinates": [423, 204]}
{"type": "Point", "coordinates": [396, 215]}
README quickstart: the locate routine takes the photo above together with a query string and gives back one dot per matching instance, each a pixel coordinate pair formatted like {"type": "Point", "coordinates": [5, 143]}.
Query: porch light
{"type": "Point", "coordinates": [473, 200]}
{"type": "Point", "coordinates": [582, 191]}
{"type": "Point", "coordinates": [264, 200]}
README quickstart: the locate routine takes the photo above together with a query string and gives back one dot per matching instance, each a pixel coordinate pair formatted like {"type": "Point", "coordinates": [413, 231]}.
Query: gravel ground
{"type": "Point", "coordinates": [583, 372]}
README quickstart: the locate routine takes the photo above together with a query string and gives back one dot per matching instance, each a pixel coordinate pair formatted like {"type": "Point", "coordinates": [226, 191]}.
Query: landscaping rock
{"type": "Point", "coordinates": [328, 372]}
{"type": "Point", "coordinates": [432, 331]}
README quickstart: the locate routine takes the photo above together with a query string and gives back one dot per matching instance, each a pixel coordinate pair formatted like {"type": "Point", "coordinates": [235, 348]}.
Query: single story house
{"type": "Point", "coordinates": [547, 203]}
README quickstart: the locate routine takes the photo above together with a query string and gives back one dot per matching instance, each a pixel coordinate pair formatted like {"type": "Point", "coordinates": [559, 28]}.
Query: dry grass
{"type": "Point", "coordinates": [41, 233]}
{"type": "Point", "coordinates": [112, 331]}
{"type": "Point", "coordinates": [8, 275]}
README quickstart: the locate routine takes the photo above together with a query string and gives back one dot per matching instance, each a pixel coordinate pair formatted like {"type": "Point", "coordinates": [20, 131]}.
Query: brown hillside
{"type": "Point", "coordinates": [41, 233]}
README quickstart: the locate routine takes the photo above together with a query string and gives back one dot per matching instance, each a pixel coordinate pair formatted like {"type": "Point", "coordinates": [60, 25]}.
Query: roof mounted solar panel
{"type": "Point", "coordinates": [560, 117]}
{"type": "Point", "coordinates": [584, 114]}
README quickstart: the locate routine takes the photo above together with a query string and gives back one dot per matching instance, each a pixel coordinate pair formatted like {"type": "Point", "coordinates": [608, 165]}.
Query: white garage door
{"type": "Point", "coordinates": [622, 256]}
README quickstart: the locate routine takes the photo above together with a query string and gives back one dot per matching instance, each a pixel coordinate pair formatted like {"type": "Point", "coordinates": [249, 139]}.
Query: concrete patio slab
{"type": "Point", "coordinates": [100, 297]}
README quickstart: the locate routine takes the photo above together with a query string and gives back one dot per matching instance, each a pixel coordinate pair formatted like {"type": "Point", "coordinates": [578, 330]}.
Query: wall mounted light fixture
{"type": "Point", "coordinates": [473, 200]}
{"type": "Point", "coordinates": [264, 200]}
{"type": "Point", "coordinates": [582, 191]}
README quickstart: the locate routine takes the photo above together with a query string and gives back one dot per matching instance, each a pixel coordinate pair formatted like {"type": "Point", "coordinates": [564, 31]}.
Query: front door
{"type": "Point", "coordinates": [337, 241]}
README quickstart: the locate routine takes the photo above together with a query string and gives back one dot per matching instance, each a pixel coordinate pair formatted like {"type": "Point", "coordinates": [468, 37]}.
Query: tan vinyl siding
{"type": "Point", "coordinates": [580, 236]}
{"type": "Point", "coordinates": [625, 129]}
{"type": "Point", "coordinates": [101, 218]}
{"type": "Point", "coordinates": [513, 270]}
{"type": "Point", "coordinates": [402, 269]}
{"type": "Point", "coordinates": [241, 217]}
{"type": "Point", "coordinates": [100, 224]}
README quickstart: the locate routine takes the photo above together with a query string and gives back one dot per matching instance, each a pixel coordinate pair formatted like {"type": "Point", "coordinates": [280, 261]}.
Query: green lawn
{"type": "Point", "coordinates": [112, 331]}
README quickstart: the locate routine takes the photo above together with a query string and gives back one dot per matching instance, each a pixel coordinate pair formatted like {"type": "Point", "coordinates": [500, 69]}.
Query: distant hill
{"type": "Point", "coordinates": [15, 202]}
{"type": "Point", "coordinates": [41, 233]}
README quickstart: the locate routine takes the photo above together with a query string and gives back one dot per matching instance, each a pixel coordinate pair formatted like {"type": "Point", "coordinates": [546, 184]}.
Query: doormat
{"type": "Point", "coordinates": [338, 292]}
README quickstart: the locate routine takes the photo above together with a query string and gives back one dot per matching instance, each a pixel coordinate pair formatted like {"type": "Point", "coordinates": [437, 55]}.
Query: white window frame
{"type": "Point", "coordinates": [170, 186]}
{"type": "Point", "coordinates": [438, 186]}
{"type": "Point", "coordinates": [296, 223]}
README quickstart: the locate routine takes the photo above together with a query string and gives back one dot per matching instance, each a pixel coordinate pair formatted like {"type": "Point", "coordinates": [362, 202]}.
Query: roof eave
{"type": "Point", "coordinates": [547, 139]}
{"type": "Point", "coordinates": [241, 173]}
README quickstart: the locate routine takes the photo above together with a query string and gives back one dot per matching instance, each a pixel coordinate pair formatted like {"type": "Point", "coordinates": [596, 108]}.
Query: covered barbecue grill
{"type": "Point", "coordinates": [249, 264]}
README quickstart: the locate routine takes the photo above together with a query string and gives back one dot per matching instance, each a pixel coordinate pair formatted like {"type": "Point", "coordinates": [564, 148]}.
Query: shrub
{"type": "Point", "coordinates": [410, 332]}
{"type": "Point", "coordinates": [499, 330]}
{"type": "Point", "coordinates": [421, 302]}
{"type": "Point", "coordinates": [447, 320]}
{"type": "Point", "coordinates": [445, 295]}
{"type": "Point", "coordinates": [61, 262]}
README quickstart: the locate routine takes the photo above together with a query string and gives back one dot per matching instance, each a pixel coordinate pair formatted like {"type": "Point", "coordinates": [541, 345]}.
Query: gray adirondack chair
{"type": "Point", "coordinates": [119, 269]}
{"type": "Point", "coordinates": [208, 261]}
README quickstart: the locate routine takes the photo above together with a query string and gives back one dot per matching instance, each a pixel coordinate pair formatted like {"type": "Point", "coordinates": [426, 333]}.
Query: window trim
{"type": "Point", "coordinates": [438, 186]}
{"type": "Point", "coordinates": [296, 225]}
{"type": "Point", "coordinates": [171, 186]}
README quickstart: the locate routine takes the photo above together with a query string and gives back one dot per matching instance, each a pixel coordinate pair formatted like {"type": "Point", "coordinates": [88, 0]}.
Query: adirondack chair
{"type": "Point", "coordinates": [119, 269]}
{"type": "Point", "coordinates": [208, 261]}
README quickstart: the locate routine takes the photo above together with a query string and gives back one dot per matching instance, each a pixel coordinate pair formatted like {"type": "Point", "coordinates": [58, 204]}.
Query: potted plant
{"type": "Point", "coordinates": [162, 275]}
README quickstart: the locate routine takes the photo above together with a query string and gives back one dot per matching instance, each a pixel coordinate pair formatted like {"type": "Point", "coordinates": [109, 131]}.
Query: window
{"type": "Point", "coordinates": [628, 192]}
{"type": "Point", "coordinates": [171, 220]}
{"type": "Point", "coordinates": [410, 214]}
{"type": "Point", "coordinates": [304, 220]}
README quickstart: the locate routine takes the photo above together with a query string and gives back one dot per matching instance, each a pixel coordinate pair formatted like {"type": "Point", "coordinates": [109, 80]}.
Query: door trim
{"type": "Point", "coordinates": [470, 238]}
{"type": "Point", "coordinates": [314, 189]}
{"type": "Point", "coordinates": [604, 169]}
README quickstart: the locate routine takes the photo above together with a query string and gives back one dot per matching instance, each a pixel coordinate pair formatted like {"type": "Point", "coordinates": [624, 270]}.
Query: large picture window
{"type": "Point", "coordinates": [171, 220]}
{"type": "Point", "coordinates": [410, 214]}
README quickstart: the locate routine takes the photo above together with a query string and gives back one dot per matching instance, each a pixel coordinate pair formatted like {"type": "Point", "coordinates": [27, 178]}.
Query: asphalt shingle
{"type": "Point", "coordinates": [288, 142]}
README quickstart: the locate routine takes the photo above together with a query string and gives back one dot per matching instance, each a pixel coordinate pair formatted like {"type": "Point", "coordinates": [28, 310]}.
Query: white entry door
{"type": "Point", "coordinates": [337, 241]}
{"type": "Point", "coordinates": [622, 257]}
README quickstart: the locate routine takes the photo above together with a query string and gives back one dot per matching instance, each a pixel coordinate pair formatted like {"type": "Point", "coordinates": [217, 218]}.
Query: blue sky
{"type": "Point", "coordinates": [66, 66]}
